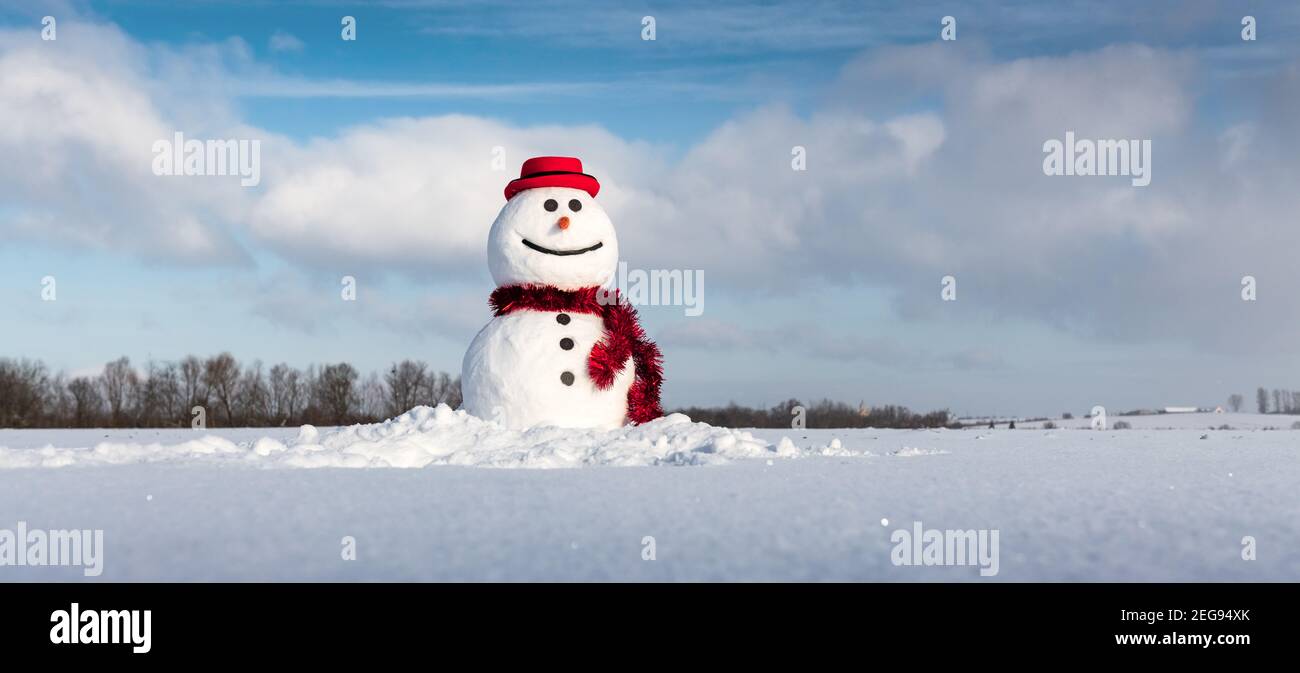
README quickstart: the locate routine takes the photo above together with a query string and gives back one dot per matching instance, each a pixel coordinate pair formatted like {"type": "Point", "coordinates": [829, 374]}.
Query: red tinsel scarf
{"type": "Point", "coordinates": [623, 339]}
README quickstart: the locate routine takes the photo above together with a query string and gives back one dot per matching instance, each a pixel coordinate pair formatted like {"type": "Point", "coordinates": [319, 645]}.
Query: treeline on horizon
{"type": "Point", "coordinates": [163, 394]}
{"type": "Point", "coordinates": [823, 414]}
{"type": "Point", "coordinates": [1283, 401]}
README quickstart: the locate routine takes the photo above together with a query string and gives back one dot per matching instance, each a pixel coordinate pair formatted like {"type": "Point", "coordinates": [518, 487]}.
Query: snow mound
{"type": "Point", "coordinates": [914, 451]}
{"type": "Point", "coordinates": [837, 449]}
{"type": "Point", "coordinates": [427, 436]}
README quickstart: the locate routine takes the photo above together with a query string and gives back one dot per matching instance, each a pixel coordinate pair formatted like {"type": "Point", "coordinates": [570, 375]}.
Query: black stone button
{"type": "Point", "coordinates": [562, 318]}
{"type": "Point", "coordinates": [566, 378]}
{"type": "Point", "coordinates": [566, 343]}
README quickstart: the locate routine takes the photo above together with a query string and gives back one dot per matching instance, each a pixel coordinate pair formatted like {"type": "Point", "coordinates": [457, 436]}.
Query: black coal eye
{"type": "Point", "coordinates": [575, 205]}
{"type": "Point", "coordinates": [551, 205]}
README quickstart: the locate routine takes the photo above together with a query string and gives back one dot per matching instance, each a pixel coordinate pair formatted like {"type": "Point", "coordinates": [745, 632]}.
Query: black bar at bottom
{"type": "Point", "coordinates": [205, 623]}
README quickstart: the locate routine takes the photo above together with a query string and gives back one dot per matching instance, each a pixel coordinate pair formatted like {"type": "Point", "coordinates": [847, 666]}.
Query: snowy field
{"type": "Point", "coordinates": [426, 498]}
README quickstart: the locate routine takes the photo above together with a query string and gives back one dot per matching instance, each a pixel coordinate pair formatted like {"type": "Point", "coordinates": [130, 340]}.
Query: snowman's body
{"type": "Point", "coordinates": [514, 373]}
{"type": "Point", "coordinates": [529, 367]}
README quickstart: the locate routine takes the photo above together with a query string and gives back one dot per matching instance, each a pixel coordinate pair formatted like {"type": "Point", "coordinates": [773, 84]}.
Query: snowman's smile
{"type": "Point", "coordinates": [562, 253]}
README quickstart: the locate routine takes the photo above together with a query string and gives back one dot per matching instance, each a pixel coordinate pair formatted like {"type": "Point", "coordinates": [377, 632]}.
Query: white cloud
{"type": "Point", "coordinates": [77, 128]}
{"type": "Point", "coordinates": [281, 41]}
{"type": "Point", "coordinates": [411, 194]}
{"type": "Point", "coordinates": [893, 197]}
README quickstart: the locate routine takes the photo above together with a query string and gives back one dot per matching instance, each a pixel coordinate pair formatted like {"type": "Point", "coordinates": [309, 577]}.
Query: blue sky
{"type": "Point", "coordinates": [420, 43]}
{"type": "Point", "coordinates": [924, 161]}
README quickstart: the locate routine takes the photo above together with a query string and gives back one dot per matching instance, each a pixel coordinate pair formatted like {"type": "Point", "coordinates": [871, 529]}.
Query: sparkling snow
{"type": "Point", "coordinates": [421, 437]}
{"type": "Point", "coordinates": [1070, 504]}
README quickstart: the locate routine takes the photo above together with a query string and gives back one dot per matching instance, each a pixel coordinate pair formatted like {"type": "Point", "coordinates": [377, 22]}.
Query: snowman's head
{"type": "Point", "coordinates": [556, 236]}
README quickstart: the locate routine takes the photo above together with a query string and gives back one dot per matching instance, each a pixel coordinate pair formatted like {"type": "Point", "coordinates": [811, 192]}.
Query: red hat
{"type": "Point", "coordinates": [552, 172]}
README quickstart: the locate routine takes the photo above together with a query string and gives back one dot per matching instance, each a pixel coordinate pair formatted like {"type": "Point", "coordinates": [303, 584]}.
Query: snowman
{"type": "Point", "coordinates": [561, 349]}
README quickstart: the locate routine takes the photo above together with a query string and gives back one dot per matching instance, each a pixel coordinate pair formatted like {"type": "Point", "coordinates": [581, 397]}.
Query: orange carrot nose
{"type": "Point", "coordinates": [563, 223]}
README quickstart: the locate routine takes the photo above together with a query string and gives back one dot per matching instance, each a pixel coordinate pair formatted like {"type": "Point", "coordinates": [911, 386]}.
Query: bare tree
{"type": "Point", "coordinates": [406, 385]}
{"type": "Point", "coordinates": [192, 384]}
{"type": "Point", "coordinates": [151, 405]}
{"type": "Point", "coordinates": [296, 394]}
{"type": "Point", "coordinates": [171, 394]}
{"type": "Point", "coordinates": [1261, 400]}
{"type": "Point", "coordinates": [22, 391]}
{"type": "Point", "coordinates": [452, 398]}
{"type": "Point", "coordinates": [57, 401]}
{"type": "Point", "coordinates": [221, 375]}
{"type": "Point", "coordinates": [441, 389]}
{"type": "Point", "coordinates": [279, 387]}
{"type": "Point", "coordinates": [372, 398]}
{"type": "Point", "coordinates": [336, 392]}
{"type": "Point", "coordinates": [87, 402]}
{"type": "Point", "coordinates": [118, 381]}
{"type": "Point", "coordinates": [253, 399]}
{"type": "Point", "coordinates": [1235, 401]}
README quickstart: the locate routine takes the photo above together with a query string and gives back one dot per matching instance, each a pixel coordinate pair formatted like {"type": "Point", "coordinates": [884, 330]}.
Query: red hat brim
{"type": "Point", "coordinates": [581, 181]}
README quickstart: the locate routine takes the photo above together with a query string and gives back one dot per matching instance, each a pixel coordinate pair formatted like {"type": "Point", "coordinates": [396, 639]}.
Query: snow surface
{"type": "Point", "coordinates": [421, 437]}
{"type": "Point", "coordinates": [1070, 504]}
{"type": "Point", "coordinates": [1192, 421]}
